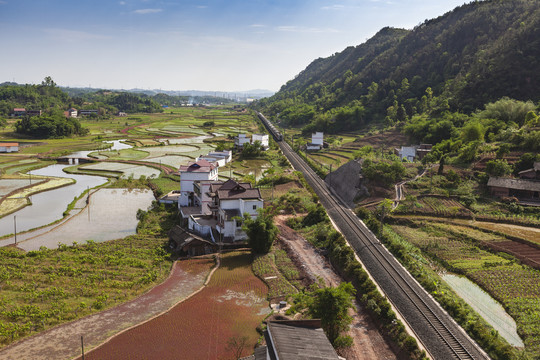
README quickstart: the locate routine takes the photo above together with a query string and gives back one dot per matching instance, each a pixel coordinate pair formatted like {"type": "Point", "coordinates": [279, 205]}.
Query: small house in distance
{"type": "Point", "coordinates": [262, 138]}
{"type": "Point", "coordinates": [295, 340]}
{"type": "Point", "coordinates": [526, 189]}
{"type": "Point", "coordinates": [71, 113]}
{"type": "Point", "coordinates": [8, 147]}
{"type": "Point", "coordinates": [317, 141]}
{"type": "Point", "coordinates": [220, 158]}
{"type": "Point", "coordinates": [414, 152]}
{"type": "Point", "coordinates": [241, 139]}
{"type": "Point", "coordinates": [18, 112]}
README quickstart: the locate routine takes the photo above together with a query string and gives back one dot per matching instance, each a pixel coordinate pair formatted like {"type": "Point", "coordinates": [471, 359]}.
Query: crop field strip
{"type": "Point", "coordinates": [439, 334]}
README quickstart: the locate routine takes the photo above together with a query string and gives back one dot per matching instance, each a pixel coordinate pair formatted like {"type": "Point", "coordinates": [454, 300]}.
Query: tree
{"type": "Point", "coordinates": [498, 168]}
{"type": "Point", "coordinates": [261, 232]}
{"type": "Point", "coordinates": [331, 305]}
{"type": "Point", "coordinates": [236, 346]}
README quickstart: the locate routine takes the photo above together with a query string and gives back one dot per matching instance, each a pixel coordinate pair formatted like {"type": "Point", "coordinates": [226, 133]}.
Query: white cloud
{"type": "Point", "coordinates": [2, 2]}
{"type": "Point", "coordinates": [257, 26]}
{"type": "Point", "coordinates": [147, 11]}
{"type": "Point", "coordinates": [122, 3]}
{"type": "Point", "coordinates": [202, 6]}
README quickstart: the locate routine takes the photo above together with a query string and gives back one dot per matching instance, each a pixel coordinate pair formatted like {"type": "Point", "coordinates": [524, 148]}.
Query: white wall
{"type": "Point", "coordinates": [317, 138]}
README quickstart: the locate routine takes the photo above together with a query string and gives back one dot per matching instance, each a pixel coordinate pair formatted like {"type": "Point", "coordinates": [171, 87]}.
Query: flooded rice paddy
{"type": "Point", "coordinates": [110, 214]}
{"type": "Point", "coordinates": [49, 206]}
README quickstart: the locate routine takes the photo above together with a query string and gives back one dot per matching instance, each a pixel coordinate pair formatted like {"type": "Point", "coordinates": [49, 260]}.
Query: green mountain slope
{"type": "Point", "coordinates": [477, 53]}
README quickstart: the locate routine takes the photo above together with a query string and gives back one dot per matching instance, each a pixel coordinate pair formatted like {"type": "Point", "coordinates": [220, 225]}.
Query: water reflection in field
{"type": "Point", "coordinates": [49, 206]}
{"type": "Point", "coordinates": [485, 306]}
{"type": "Point", "coordinates": [111, 214]}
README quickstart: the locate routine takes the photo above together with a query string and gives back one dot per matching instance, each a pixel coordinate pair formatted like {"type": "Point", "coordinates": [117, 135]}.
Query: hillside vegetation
{"type": "Point", "coordinates": [473, 55]}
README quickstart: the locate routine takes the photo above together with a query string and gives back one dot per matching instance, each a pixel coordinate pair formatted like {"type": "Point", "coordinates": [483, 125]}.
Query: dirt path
{"type": "Point", "coordinates": [64, 341]}
{"type": "Point", "coordinates": [368, 343]}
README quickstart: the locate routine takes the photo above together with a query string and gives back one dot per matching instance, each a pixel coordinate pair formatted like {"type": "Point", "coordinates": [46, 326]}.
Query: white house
{"type": "Point", "coordinates": [194, 171]}
{"type": "Point", "coordinates": [241, 139]}
{"type": "Point", "coordinates": [9, 147]}
{"type": "Point", "coordinates": [413, 152]}
{"type": "Point", "coordinates": [407, 153]}
{"type": "Point", "coordinates": [72, 113]}
{"type": "Point", "coordinates": [262, 138]}
{"type": "Point", "coordinates": [233, 200]}
{"type": "Point", "coordinates": [317, 140]}
{"type": "Point", "coordinates": [223, 205]}
{"type": "Point", "coordinates": [221, 158]}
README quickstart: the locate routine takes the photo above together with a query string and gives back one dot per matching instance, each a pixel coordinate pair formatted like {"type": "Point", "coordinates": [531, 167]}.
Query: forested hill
{"type": "Point", "coordinates": [475, 54]}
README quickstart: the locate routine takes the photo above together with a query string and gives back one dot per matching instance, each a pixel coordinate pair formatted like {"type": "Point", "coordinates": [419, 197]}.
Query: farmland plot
{"type": "Point", "coordinates": [187, 150]}
{"type": "Point", "coordinates": [127, 170]}
{"type": "Point", "coordinates": [515, 286]}
{"type": "Point", "coordinates": [171, 160]}
{"type": "Point", "coordinates": [486, 307]}
{"type": "Point", "coordinates": [231, 306]}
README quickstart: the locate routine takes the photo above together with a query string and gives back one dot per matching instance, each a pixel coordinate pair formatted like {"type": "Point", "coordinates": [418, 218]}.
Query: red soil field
{"type": "Point", "coordinates": [232, 305]}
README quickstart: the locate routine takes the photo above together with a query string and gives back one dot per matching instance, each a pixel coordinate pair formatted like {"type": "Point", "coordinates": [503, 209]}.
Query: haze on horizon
{"type": "Point", "coordinates": [188, 45]}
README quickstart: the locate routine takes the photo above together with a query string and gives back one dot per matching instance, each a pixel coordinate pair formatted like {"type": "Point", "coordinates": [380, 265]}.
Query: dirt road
{"type": "Point", "coordinates": [368, 343]}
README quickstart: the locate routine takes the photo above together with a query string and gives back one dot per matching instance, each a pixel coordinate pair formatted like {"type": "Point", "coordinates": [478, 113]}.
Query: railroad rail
{"type": "Point", "coordinates": [436, 330]}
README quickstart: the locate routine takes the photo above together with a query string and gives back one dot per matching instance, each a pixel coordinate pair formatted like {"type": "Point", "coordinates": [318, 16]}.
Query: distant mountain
{"type": "Point", "coordinates": [475, 54]}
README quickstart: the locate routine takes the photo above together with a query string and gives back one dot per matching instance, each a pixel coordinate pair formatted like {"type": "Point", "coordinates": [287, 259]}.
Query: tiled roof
{"type": "Point", "coordinates": [9, 144]}
{"type": "Point", "coordinates": [234, 190]}
{"type": "Point", "coordinates": [517, 184]}
{"type": "Point", "coordinates": [199, 166]}
{"type": "Point", "coordinates": [300, 340]}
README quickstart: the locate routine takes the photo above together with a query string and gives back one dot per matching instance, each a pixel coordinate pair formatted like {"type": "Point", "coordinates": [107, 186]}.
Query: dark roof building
{"type": "Point", "coordinates": [295, 340]}
{"type": "Point", "coordinates": [183, 242]}
{"type": "Point", "coordinates": [231, 189]}
{"type": "Point", "coordinates": [528, 190]}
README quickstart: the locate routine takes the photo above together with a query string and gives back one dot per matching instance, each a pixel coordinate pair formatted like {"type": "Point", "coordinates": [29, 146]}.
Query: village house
{"type": "Point", "coordinates": [526, 189]}
{"type": "Point", "coordinates": [185, 243]}
{"type": "Point", "coordinates": [18, 112]}
{"type": "Point", "coordinates": [8, 147]}
{"type": "Point", "coordinates": [317, 141]}
{"type": "Point", "coordinates": [295, 340]}
{"type": "Point", "coordinates": [222, 206]}
{"type": "Point", "coordinates": [71, 113]}
{"type": "Point", "coordinates": [33, 113]}
{"type": "Point", "coordinates": [414, 152]}
{"type": "Point", "coordinates": [262, 138]}
{"type": "Point", "coordinates": [88, 112]}
{"type": "Point", "coordinates": [220, 158]}
{"type": "Point", "coordinates": [240, 140]}
{"type": "Point", "coordinates": [532, 173]}
{"type": "Point", "coordinates": [194, 171]}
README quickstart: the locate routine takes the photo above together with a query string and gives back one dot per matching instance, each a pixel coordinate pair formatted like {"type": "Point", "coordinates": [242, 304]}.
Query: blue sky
{"type": "Point", "coordinates": [218, 45]}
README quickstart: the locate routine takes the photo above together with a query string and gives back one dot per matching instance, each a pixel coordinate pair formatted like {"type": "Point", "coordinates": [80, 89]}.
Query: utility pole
{"type": "Point", "coordinates": [82, 347]}
{"type": "Point", "coordinates": [15, 227]}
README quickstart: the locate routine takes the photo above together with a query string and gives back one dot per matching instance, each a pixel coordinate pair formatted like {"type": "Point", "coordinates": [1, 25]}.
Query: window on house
{"type": "Point", "coordinates": [254, 207]}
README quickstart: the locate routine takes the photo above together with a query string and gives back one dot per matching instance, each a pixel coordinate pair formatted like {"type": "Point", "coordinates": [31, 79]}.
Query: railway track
{"type": "Point", "coordinates": [439, 334]}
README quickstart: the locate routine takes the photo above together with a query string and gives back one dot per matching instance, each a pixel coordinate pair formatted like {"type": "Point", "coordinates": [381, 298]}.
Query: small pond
{"type": "Point", "coordinates": [486, 307]}
{"type": "Point", "coordinates": [49, 206]}
{"type": "Point", "coordinates": [111, 214]}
